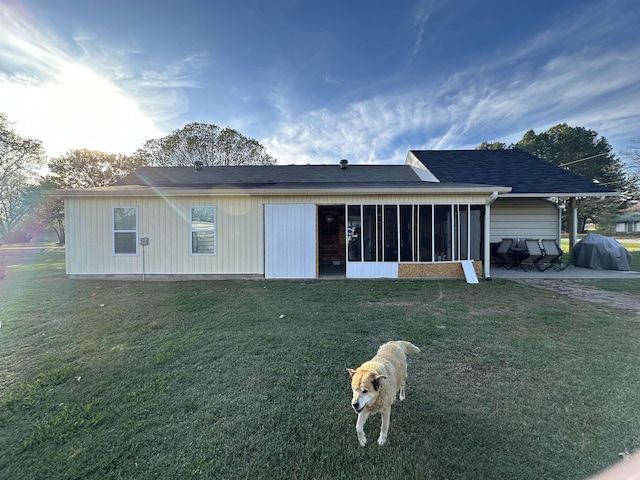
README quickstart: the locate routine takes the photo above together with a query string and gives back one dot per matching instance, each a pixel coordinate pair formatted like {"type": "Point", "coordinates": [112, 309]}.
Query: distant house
{"type": "Point", "coordinates": [627, 223]}
{"type": "Point", "coordinates": [420, 219]}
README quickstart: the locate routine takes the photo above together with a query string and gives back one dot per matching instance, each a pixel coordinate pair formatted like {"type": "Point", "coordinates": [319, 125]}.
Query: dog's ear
{"type": "Point", "coordinates": [351, 371]}
{"type": "Point", "coordinates": [376, 382]}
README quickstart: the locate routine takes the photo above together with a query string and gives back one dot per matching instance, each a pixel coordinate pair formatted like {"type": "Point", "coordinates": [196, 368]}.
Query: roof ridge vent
{"type": "Point", "coordinates": [343, 163]}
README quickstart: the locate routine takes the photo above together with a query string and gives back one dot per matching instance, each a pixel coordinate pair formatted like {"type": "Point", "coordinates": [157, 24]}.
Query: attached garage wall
{"type": "Point", "coordinates": [524, 218]}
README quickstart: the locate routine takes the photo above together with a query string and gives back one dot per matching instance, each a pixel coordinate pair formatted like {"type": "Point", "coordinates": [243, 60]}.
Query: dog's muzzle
{"type": "Point", "coordinates": [357, 407]}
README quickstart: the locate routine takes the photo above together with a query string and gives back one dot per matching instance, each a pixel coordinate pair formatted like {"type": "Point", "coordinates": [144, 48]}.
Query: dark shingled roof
{"type": "Point", "coordinates": [525, 173]}
{"type": "Point", "coordinates": [267, 175]}
{"type": "Point", "coordinates": [289, 176]}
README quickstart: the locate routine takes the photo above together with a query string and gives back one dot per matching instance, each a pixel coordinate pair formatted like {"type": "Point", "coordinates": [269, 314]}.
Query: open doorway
{"type": "Point", "coordinates": [331, 241]}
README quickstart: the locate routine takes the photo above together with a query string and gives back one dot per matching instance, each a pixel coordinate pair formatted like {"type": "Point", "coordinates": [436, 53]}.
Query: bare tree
{"type": "Point", "coordinates": [206, 143]}
{"type": "Point", "coordinates": [16, 152]}
{"type": "Point", "coordinates": [20, 159]}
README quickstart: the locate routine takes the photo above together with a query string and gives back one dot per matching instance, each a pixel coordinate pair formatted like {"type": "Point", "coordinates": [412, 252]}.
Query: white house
{"type": "Point", "coordinates": [628, 223]}
{"type": "Point", "coordinates": [420, 219]}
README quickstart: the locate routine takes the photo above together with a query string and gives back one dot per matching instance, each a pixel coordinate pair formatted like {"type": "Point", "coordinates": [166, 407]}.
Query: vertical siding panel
{"type": "Point", "coordinates": [100, 218]}
{"type": "Point", "coordinates": [524, 218]}
{"type": "Point", "coordinates": [149, 225]}
{"type": "Point", "coordinates": [71, 232]}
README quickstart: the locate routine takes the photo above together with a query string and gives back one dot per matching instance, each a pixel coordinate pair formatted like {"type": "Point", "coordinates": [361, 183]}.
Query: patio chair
{"type": "Point", "coordinates": [532, 254]}
{"type": "Point", "coordinates": [504, 254]}
{"type": "Point", "coordinates": [552, 254]}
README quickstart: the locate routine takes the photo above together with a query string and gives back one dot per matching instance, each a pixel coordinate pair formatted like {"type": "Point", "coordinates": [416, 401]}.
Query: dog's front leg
{"type": "Point", "coordinates": [362, 417]}
{"type": "Point", "coordinates": [384, 429]}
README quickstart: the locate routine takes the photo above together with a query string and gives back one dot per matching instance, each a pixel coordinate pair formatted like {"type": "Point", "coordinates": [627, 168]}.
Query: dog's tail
{"type": "Point", "coordinates": [408, 347]}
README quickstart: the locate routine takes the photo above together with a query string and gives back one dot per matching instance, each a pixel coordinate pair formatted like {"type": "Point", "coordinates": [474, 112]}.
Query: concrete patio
{"type": "Point", "coordinates": [571, 272]}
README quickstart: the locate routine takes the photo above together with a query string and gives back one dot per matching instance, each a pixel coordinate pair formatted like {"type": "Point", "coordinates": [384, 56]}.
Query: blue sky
{"type": "Point", "coordinates": [317, 81]}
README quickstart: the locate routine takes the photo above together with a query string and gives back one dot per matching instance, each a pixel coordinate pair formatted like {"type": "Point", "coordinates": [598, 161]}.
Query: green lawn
{"type": "Point", "coordinates": [246, 379]}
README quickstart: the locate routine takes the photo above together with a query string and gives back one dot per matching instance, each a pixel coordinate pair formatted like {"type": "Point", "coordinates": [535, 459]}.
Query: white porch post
{"type": "Point", "coordinates": [573, 225]}
{"type": "Point", "coordinates": [487, 235]}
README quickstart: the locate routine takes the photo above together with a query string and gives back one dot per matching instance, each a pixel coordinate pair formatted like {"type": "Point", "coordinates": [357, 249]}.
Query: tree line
{"type": "Point", "coordinates": [583, 151]}
{"type": "Point", "coordinates": [26, 172]}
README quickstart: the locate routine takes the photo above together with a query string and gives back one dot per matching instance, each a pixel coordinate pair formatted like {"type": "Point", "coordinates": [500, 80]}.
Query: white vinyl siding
{"type": "Point", "coordinates": [166, 222]}
{"type": "Point", "coordinates": [524, 218]}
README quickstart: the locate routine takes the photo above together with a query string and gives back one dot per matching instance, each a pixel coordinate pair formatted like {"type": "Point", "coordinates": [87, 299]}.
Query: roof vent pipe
{"type": "Point", "coordinates": [198, 164]}
{"type": "Point", "coordinates": [343, 163]}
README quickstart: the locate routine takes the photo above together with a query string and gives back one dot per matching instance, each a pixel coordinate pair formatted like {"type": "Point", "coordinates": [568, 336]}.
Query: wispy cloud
{"type": "Point", "coordinates": [26, 56]}
{"type": "Point", "coordinates": [329, 79]}
{"type": "Point", "coordinates": [183, 73]}
{"type": "Point", "coordinates": [86, 94]}
{"type": "Point", "coordinates": [422, 16]}
{"type": "Point", "coordinates": [530, 87]}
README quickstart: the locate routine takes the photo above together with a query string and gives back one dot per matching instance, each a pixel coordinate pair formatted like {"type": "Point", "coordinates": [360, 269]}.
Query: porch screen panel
{"type": "Point", "coordinates": [369, 233]}
{"type": "Point", "coordinates": [425, 213]}
{"type": "Point", "coordinates": [390, 233]}
{"type": "Point", "coordinates": [406, 238]}
{"type": "Point", "coordinates": [354, 233]}
{"type": "Point", "coordinates": [442, 234]}
{"type": "Point", "coordinates": [462, 231]}
{"type": "Point", "coordinates": [476, 232]}
{"type": "Point", "coordinates": [379, 234]}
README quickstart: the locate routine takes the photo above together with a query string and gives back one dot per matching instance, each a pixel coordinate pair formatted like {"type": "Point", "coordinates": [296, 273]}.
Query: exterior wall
{"type": "Point", "coordinates": [627, 227]}
{"type": "Point", "coordinates": [524, 218]}
{"type": "Point", "coordinates": [165, 221]}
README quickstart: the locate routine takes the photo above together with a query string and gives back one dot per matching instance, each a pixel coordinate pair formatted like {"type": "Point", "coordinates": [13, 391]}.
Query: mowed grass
{"type": "Point", "coordinates": [246, 379]}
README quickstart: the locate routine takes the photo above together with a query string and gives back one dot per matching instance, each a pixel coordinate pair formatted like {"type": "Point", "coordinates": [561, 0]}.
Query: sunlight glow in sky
{"type": "Point", "coordinates": [84, 109]}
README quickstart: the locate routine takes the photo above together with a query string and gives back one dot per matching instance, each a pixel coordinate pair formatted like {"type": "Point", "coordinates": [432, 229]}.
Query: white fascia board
{"type": "Point", "coordinates": [154, 192]}
{"type": "Point", "coordinates": [566, 194]}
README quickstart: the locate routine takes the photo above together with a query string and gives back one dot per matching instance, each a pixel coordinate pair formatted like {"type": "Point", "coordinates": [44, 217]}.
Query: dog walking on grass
{"type": "Point", "coordinates": [376, 383]}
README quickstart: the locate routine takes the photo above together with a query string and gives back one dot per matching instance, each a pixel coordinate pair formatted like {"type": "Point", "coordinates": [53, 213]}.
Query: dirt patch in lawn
{"type": "Point", "coordinates": [624, 301]}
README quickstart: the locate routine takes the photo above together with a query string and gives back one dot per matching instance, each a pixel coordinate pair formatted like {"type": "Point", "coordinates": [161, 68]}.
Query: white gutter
{"type": "Point", "coordinates": [138, 191]}
{"type": "Point", "coordinates": [566, 194]}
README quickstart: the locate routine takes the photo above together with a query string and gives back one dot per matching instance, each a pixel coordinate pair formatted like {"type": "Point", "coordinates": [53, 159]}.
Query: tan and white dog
{"type": "Point", "coordinates": [376, 383]}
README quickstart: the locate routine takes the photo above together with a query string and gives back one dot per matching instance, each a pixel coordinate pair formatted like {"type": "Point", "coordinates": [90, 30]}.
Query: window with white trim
{"type": "Point", "coordinates": [203, 230]}
{"type": "Point", "coordinates": [125, 230]}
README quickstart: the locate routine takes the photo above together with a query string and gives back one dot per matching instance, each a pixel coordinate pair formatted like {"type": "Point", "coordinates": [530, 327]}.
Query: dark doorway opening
{"type": "Point", "coordinates": [332, 237]}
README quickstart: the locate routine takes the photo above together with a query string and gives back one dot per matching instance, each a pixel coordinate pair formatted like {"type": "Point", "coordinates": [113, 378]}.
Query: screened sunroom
{"type": "Point", "coordinates": [414, 233]}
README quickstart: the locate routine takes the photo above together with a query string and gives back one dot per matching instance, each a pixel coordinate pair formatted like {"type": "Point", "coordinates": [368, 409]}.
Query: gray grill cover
{"type": "Point", "coordinates": [601, 253]}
